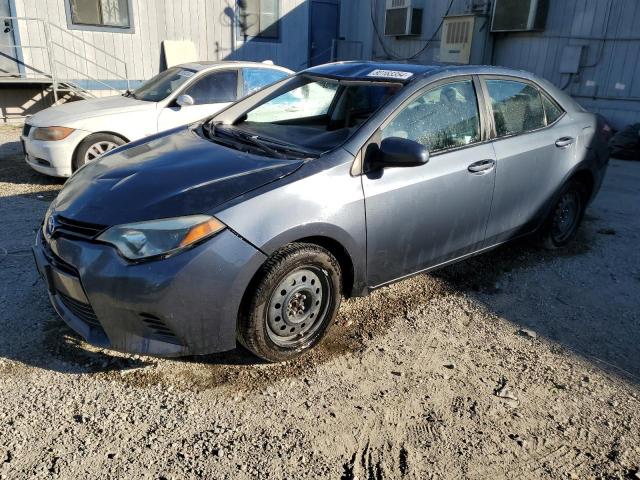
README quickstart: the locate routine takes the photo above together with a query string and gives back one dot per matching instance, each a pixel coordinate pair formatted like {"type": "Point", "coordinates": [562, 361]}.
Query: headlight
{"type": "Point", "coordinates": [160, 237]}
{"type": "Point", "coordinates": [52, 134]}
{"type": "Point", "coordinates": [46, 219]}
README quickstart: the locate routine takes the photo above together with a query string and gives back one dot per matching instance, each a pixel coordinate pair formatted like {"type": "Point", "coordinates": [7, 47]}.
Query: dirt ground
{"type": "Point", "coordinates": [516, 364]}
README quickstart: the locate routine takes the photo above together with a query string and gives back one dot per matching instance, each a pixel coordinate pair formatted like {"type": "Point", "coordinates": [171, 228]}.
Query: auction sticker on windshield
{"type": "Point", "coordinates": [390, 74]}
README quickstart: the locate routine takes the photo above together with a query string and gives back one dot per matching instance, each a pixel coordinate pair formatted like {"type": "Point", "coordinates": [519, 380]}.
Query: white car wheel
{"type": "Point", "coordinates": [94, 146]}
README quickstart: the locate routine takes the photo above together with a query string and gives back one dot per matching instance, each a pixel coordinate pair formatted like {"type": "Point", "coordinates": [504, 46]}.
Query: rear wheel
{"type": "Point", "coordinates": [292, 304]}
{"type": "Point", "coordinates": [563, 221]}
{"type": "Point", "coordinates": [94, 146]}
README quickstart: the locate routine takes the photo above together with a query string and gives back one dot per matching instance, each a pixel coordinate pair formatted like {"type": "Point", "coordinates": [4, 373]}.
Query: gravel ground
{"type": "Point", "coordinates": [519, 363]}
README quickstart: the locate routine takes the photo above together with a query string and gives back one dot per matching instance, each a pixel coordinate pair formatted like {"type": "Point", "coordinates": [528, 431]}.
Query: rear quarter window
{"type": "Point", "coordinates": [256, 78]}
{"type": "Point", "coordinates": [551, 108]}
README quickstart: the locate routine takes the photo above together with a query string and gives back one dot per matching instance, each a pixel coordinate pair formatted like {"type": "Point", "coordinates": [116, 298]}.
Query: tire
{"type": "Point", "coordinates": [295, 298]}
{"type": "Point", "coordinates": [561, 225]}
{"type": "Point", "coordinates": [93, 146]}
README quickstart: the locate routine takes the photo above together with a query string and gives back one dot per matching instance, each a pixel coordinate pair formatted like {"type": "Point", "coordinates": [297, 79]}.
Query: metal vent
{"type": "Point", "coordinates": [457, 37]}
{"type": "Point", "coordinates": [397, 3]}
{"type": "Point", "coordinates": [458, 32]}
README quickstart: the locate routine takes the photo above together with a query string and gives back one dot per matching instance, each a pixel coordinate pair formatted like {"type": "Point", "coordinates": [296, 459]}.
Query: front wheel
{"type": "Point", "coordinates": [564, 219]}
{"type": "Point", "coordinates": [94, 146]}
{"type": "Point", "coordinates": [294, 300]}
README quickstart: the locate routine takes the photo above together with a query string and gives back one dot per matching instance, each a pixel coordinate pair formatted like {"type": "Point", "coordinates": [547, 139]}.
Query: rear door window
{"type": "Point", "coordinates": [216, 87]}
{"type": "Point", "coordinates": [256, 78]}
{"type": "Point", "coordinates": [517, 107]}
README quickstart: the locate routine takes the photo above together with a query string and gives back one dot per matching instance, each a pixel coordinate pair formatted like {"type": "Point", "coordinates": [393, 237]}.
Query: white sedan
{"type": "Point", "coordinates": [60, 139]}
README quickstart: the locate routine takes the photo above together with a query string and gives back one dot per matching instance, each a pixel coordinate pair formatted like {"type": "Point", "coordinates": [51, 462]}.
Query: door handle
{"type": "Point", "coordinates": [564, 142]}
{"type": "Point", "coordinates": [483, 166]}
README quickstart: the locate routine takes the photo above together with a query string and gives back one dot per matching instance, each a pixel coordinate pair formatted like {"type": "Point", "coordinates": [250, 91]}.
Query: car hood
{"type": "Point", "coordinates": [168, 175]}
{"type": "Point", "coordinates": [67, 113]}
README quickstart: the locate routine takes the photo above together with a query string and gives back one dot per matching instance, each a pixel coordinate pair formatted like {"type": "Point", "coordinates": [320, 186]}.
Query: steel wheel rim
{"type": "Point", "coordinates": [98, 149]}
{"type": "Point", "coordinates": [298, 306]}
{"type": "Point", "coordinates": [566, 216]}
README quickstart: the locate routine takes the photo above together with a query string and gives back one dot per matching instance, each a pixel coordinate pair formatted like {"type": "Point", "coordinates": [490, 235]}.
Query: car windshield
{"type": "Point", "coordinates": [163, 84]}
{"type": "Point", "coordinates": [315, 114]}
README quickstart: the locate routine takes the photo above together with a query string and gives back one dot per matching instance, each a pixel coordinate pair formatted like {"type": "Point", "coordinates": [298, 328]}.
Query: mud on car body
{"type": "Point", "coordinates": [251, 226]}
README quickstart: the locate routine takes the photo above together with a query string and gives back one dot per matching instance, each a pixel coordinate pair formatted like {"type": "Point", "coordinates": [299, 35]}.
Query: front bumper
{"type": "Point", "coordinates": [52, 158]}
{"type": "Point", "coordinates": [186, 304]}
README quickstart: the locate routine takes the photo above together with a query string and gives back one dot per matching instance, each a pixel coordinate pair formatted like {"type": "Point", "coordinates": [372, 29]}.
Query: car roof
{"type": "Point", "coordinates": [405, 72]}
{"type": "Point", "coordinates": [211, 64]}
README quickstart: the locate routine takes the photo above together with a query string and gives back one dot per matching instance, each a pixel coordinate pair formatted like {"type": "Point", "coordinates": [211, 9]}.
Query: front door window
{"type": "Point", "coordinates": [443, 118]}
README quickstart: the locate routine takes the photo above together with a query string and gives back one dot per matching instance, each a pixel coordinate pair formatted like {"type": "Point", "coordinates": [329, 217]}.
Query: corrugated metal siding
{"type": "Point", "coordinates": [610, 63]}
{"type": "Point", "coordinates": [355, 24]}
{"type": "Point", "coordinates": [413, 47]}
{"type": "Point", "coordinates": [609, 30]}
{"type": "Point", "coordinates": [204, 22]}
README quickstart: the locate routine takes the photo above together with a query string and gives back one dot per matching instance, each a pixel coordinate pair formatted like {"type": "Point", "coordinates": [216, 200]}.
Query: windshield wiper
{"type": "Point", "coordinates": [234, 141]}
{"type": "Point", "coordinates": [249, 138]}
{"type": "Point", "coordinates": [290, 147]}
{"type": "Point", "coordinates": [129, 93]}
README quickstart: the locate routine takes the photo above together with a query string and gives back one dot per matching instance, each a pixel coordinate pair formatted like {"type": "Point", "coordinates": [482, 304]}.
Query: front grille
{"type": "Point", "coordinates": [26, 129]}
{"type": "Point", "coordinates": [158, 330]}
{"type": "Point", "coordinates": [81, 310]}
{"type": "Point", "coordinates": [74, 228]}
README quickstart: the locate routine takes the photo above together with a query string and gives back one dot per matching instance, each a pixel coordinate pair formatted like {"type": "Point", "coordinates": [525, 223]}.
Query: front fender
{"type": "Point", "coordinates": [311, 202]}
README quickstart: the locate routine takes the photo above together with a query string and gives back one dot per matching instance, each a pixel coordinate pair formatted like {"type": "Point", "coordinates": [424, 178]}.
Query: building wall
{"type": "Point", "coordinates": [207, 23]}
{"type": "Point", "coordinates": [412, 48]}
{"type": "Point", "coordinates": [609, 77]}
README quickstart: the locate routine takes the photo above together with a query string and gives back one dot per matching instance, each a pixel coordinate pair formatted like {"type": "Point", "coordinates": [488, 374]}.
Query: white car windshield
{"type": "Point", "coordinates": [163, 84]}
{"type": "Point", "coordinates": [316, 113]}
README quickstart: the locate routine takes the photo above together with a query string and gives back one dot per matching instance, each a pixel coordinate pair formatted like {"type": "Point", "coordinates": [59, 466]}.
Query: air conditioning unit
{"type": "Point", "coordinates": [519, 15]}
{"type": "Point", "coordinates": [457, 36]}
{"type": "Point", "coordinates": [403, 17]}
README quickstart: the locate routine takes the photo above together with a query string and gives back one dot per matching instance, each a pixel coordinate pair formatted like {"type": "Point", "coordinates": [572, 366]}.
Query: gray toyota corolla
{"type": "Point", "coordinates": [251, 226]}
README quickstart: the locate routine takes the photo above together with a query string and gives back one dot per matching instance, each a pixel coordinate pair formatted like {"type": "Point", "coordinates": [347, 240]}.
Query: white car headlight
{"type": "Point", "coordinates": [160, 237]}
{"type": "Point", "coordinates": [52, 134]}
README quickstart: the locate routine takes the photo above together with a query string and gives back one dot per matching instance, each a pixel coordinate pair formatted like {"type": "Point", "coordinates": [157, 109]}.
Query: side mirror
{"type": "Point", "coordinates": [401, 152]}
{"type": "Point", "coordinates": [185, 101]}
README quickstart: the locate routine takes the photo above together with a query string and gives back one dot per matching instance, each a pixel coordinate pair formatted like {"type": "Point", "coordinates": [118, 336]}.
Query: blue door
{"type": "Point", "coordinates": [324, 17]}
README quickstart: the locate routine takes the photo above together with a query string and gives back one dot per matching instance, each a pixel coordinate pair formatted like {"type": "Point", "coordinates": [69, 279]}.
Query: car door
{"type": "Point", "coordinates": [534, 149]}
{"type": "Point", "coordinates": [211, 92]}
{"type": "Point", "coordinates": [420, 217]}
{"type": "Point", "coordinates": [255, 78]}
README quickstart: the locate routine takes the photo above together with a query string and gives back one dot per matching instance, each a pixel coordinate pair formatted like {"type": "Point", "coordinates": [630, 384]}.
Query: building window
{"type": "Point", "coordinates": [110, 15]}
{"type": "Point", "coordinates": [259, 19]}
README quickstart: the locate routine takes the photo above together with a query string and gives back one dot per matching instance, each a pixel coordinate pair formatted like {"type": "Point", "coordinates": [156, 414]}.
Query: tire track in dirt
{"type": "Point", "coordinates": [384, 446]}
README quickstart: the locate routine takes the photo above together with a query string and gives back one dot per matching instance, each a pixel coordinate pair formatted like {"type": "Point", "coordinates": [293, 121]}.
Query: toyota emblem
{"type": "Point", "coordinates": [51, 226]}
